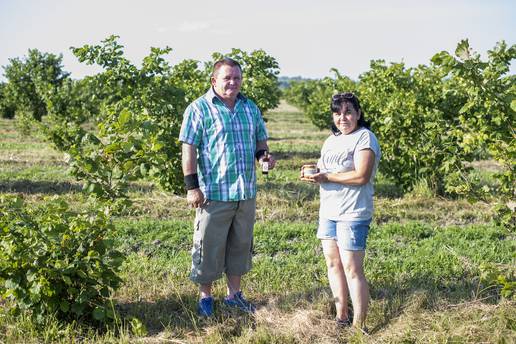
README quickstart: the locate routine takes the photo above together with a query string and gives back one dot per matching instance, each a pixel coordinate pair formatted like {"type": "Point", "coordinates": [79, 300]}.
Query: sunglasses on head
{"type": "Point", "coordinates": [346, 95]}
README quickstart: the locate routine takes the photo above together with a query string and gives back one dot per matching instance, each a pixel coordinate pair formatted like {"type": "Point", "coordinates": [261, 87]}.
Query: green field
{"type": "Point", "coordinates": [425, 261]}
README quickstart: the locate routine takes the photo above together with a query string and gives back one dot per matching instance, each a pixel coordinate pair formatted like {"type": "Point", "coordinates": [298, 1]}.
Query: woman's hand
{"type": "Point", "coordinates": [315, 178]}
{"type": "Point", "coordinates": [360, 176]}
{"type": "Point", "coordinates": [319, 177]}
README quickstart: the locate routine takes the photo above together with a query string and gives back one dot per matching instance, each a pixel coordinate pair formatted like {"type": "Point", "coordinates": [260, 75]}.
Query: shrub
{"type": "Point", "coordinates": [7, 109]}
{"type": "Point", "coordinates": [28, 79]}
{"type": "Point", "coordinates": [55, 261]}
{"type": "Point", "coordinates": [314, 96]}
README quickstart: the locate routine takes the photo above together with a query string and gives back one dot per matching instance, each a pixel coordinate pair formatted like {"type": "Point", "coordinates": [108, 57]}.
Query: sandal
{"type": "Point", "coordinates": [343, 323]}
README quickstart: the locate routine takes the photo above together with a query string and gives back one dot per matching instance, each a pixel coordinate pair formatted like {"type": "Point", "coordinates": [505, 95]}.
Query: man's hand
{"type": "Point", "coordinates": [272, 162]}
{"type": "Point", "coordinates": [195, 198]}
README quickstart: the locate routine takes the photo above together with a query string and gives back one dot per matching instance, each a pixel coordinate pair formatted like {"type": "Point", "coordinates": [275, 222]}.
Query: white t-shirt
{"type": "Point", "coordinates": [341, 202]}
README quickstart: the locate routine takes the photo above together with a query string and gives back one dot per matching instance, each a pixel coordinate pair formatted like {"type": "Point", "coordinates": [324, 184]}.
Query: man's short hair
{"type": "Point", "coordinates": [226, 61]}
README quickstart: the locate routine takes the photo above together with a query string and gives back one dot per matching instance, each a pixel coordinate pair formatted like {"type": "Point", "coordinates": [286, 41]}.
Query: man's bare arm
{"type": "Point", "coordinates": [194, 197]}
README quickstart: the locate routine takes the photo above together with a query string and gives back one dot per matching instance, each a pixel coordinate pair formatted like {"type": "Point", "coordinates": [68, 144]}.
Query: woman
{"type": "Point", "coordinates": [348, 164]}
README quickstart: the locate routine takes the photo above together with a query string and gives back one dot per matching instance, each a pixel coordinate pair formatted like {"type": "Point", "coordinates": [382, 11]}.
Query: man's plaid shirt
{"type": "Point", "coordinates": [226, 145]}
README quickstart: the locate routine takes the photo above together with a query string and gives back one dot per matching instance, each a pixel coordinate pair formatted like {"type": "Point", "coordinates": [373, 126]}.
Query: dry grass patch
{"type": "Point", "coordinates": [436, 210]}
{"type": "Point", "coordinates": [472, 322]}
{"type": "Point", "coordinates": [284, 107]}
{"type": "Point", "coordinates": [159, 204]}
{"type": "Point", "coordinates": [303, 325]}
{"type": "Point", "coordinates": [45, 155]}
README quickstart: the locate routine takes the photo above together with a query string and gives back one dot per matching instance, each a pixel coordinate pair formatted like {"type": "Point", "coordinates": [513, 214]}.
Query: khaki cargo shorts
{"type": "Point", "coordinates": [222, 240]}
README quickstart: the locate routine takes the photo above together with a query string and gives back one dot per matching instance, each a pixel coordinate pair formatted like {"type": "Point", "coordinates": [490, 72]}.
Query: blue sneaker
{"type": "Point", "coordinates": [205, 307]}
{"type": "Point", "coordinates": [238, 301]}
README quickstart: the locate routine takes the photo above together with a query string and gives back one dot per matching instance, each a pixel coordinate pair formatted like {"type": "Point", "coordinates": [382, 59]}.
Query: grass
{"type": "Point", "coordinates": [424, 261]}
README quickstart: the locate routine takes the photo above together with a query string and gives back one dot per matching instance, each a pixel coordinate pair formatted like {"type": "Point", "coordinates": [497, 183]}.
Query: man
{"type": "Point", "coordinates": [222, 134]}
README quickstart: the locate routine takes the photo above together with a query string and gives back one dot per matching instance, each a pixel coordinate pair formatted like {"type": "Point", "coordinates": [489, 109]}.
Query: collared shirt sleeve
{"type": "Point", "coordinates": [261, 130]}
{"type": "Point", "coordinates": [191, 129]}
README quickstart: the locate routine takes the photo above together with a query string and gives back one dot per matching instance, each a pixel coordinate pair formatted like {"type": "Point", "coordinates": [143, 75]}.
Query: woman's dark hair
{"type": "Point", "coordinates": [338, 100]}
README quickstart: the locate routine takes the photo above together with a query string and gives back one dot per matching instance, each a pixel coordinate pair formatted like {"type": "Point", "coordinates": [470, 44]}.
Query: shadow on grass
{"type": "Point", "coordinates": [56, 188]}
{"type": "Point", "coordinates": [41, 187]}
{"type": "Point", "coordinates": [387, 189]}
{"type": "Point", "coordinates": [180, 315]}
{"type": "Point", "coordinates": [294, 191]}
{"type": "Point", "coordinates": [304, 155]}
{"type": "Point", "coordinates": [143, 188]}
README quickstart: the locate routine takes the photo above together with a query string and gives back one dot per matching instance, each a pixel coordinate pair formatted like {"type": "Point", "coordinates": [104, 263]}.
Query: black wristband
{"type": "Point", "coordinates": [191, 181]}
{"type": "Point", "coordinates": [260, 153]}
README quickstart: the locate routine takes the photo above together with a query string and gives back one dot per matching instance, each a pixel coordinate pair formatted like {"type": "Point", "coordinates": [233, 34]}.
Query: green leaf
{"type": "Point", "coordinates": [387, 120]}
{"type": "Point", "coordinates": [64, 306]}
{"type": "Point", "coordinates": [67, 280]}
{"type": "Point", "coordinates": [463, 51]}
{"type": "Point", "coordinates": [35, 292]}
{"type": "Point", "coordinates": [438, 58]}
{"type": "Point", "coordinates": [138, 328]}
{"type": "Point", "coordinates": [77, 308]}
{"type": "Point", "coordinates": [466, 107]}
{"type": "Point", "coordinates": [10, 284]}
{"type": "Point", "coordinates": [124, 117]}
{"type": "Point", "coordinates": [127, 146]}
{"type": "Point", "coordinates": [31, 276]}
{"type": "Point", "coordinates": [128, 165]}
{"type": "Point", "coordinates": [117, 173]}
{"type": "Point", "coordinates": [99, 313]}
{"type": "Point", "coordinates": [111, 148]}
{"type": "Point", "coordinates": [88, 167]}
{"type": "Point", "coordinates": [143, 169]}
{"type": "Point", "coordinates": [156, 146]}
{"type": "Point", "coordinates": [92, 187]}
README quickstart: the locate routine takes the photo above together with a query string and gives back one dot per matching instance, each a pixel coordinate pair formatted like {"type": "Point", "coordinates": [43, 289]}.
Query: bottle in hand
{"type": "Point", "coordinates": [265, 163]}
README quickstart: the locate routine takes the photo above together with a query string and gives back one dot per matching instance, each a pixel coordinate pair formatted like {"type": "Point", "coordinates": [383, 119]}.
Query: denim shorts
{"type": "Point", "coordinates": [350, 235]}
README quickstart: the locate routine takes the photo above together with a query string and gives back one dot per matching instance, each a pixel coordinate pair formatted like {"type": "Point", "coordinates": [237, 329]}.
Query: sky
{"type": "Point", "coordinates": [307, 38]}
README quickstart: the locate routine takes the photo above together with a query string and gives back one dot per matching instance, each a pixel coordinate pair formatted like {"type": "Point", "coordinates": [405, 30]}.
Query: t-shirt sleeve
{"type": "Point", "coordinates": [368, 141]}
{"type": "Point", "coordinates": [191, 128]}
